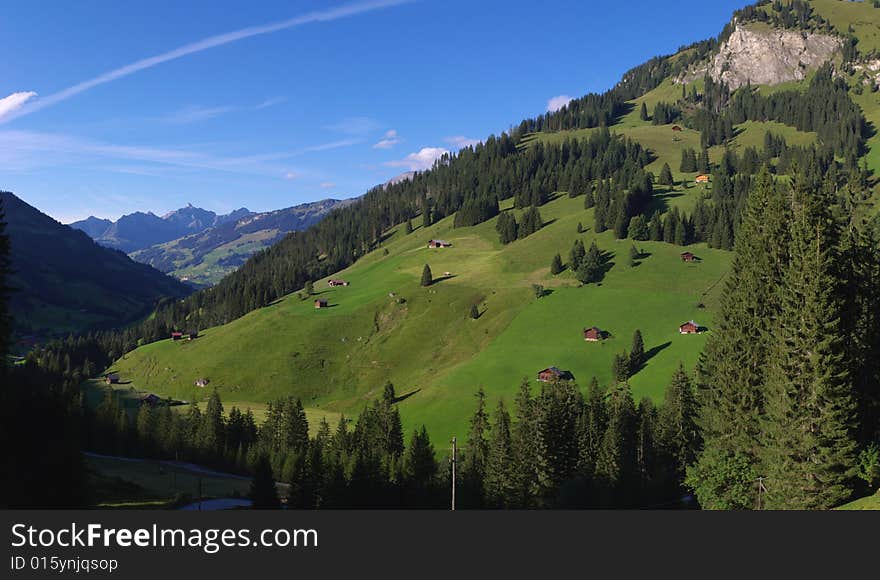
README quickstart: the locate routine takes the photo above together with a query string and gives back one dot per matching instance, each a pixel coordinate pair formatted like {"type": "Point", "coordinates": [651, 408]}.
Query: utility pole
{"type": "Point", "coordinates": [761, 490]}
{"type": "Point", "coordinates": [453, 474]}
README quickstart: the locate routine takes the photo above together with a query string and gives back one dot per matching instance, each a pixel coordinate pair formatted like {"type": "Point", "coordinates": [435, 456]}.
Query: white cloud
{"type": "Point", "coordinates": [201, 45]}
{"type": "Point", "coordinates": [291, 175]}
{"type": "Point", "coordinates": [15, 101]}
{"type": "Point", "coordinates": [29, 150]}
{"type": "Point", "coordinates": [388, 141]}
{"type": "Point", "coordinates": [420, 160]}
{"type": "Point", "coordinates": [460, 141]}
{"type": "Point", "coordinates": [271, 102]}
{"type": "Point", "coordinates": [331, 145]}
{"type": "Point", "coordinates": [194, 114]}
{"type": "Point", "coordinates": [328, 185]}
{"type": "Point", "coordinates": [558, 102]}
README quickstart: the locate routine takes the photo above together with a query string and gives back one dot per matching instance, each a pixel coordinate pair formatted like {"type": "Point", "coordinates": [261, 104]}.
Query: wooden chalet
{"type": "Point", "coordinates": [334, 283]}
{"type": "Point", "coordinates": [202, 383]}
{"type": "Point", "coordinates": [676, 129]}
{"type": "Point", "coordinates": [688, 257]}
{"type": "Point", "coordinates": [594, 334]}
{"type": "Point", "coordinates": [112, 379]}
{"type": "Point", "coordinates": [689, 327]}
{"type": "Point", "coordinates": [321, 303]}
{"type": "Point", "coordinates": [193, 335]}
{"type": "Point", "coordinates": [176, 335]}
{"type": "Point", "coordinates": [552, 374]}
{"type": "Point", "coordinates": [702, 178]}
{"type": "Point", "coordinates": [150, 399]}
{"type": "Point", "coordinates": [439, 244]}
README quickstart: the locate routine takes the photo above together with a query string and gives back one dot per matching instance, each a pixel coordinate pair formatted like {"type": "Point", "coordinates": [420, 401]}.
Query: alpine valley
{"type": "Point", "coordinates": [662, 295]}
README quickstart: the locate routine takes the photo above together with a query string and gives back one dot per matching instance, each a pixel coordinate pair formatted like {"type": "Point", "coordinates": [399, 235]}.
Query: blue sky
{"type": "Point", "coordinates": [112, 107]}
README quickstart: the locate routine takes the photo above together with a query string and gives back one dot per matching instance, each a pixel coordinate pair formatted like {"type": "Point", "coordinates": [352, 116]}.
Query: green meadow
{"type": "Point", "coordinates": [386, 327]}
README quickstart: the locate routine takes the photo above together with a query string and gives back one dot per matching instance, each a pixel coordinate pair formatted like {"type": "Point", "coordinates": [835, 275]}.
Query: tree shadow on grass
{"type": "Point", "coordinates": [405, 396]}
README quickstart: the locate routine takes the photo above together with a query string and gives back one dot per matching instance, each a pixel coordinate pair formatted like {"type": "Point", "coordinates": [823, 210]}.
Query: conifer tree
{"type": "Point", "coordinates": [643, 112]}
{"type": "Point", "coordinates": [408, 228]}
{"type": "Point", "coordinates": [809, 450]}
{"type": "Point", "coordinates": [678, 431]}
{"type": "Point", "coordinates": [666, 175]}
{"type": "Point", "coordinates": [501, 482]}
{"type": "Point", "coordinates": [476, 454]}
{"type": "Point", "coordinates": [733, 367]}
{"type": "Point", "coordinates": [427, 277]}
{"type": "Point", "coordinates": [556, 266]}
{"type": "Point", "coordinates": [474, 312]}
{"type": "Point", "coordinates": [591, 429]}
{"type": "Point", "coordinates": [637, 351]}
{"type": "Point", "coordinates": [263, 492]}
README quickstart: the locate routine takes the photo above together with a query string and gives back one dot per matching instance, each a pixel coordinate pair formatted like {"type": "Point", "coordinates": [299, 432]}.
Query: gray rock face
{"type": "Point", "coordinates": [767, 56]}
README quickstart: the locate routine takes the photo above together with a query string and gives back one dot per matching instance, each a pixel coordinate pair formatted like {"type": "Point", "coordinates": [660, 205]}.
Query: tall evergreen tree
{"type": "Point", "coordinates": [263, 493]}
{"type": "Point", "coordinates": [809, 450]}
{"type": "Point", "coordinates": [732, 369]}
{"type": "Point", "coordinates": [427, 276]}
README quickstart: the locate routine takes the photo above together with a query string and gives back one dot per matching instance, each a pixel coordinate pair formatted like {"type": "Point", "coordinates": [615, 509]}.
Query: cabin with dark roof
{"type": "Point", "coordinates": [702, 179]}
{"type": "Point", "coordinates": [112, 379]}
{"type": "Point", "coordinates": [335, 283]}
{"type": "Point", "coordinates": [553, 374]}
{"type": "Point", "coordinates": [688, 257]}
{"type": "Point", "coordinates": [149, 399]}
{"type": "Point", "coordinates": [594, 334]}
{"type": "Point", "coordinates": [176, 335]}
{"type": "Point", "coordinates": [439, 244]}
{"type": "Point", "coordinates": [319, 303]}
{"type": "Point", "coordinates": [676, 129]}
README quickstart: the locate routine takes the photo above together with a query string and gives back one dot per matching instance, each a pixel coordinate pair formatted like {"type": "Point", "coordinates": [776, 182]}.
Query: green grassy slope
{"type": "Point", "coordinates": [872, 502]}
{"type": "Point", "coordinates": [422, 340]}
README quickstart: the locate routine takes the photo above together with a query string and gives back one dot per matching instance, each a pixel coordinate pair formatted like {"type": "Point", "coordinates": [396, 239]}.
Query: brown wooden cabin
{"type": "Point", "coordinates": [439, 244]}
{"type": "Point", "coordinates": [593, 334]}
{"type": "Point", "coordinates": [112, 379]}
{"type": "Point", "coordinates": [689, 327]}
{"type": "Point", "coordinates": [321, 303]}
{"type": "Point", "coordinates": [193, 335]}
{"type": "Point", "coordinates": [552, 374]}
{"type": "Point", "coordinates": [334, 283]}
{"type": "Point", "coordinates": [676, 129]}
{"type": "Point", "coordinates": [176, 335]}
{"type": "Point", "coordinates": [702, 178]}
{"type": "Point", "coordinates": [688, 257]}
{"type": "Point", "coordinates": [150, 399]}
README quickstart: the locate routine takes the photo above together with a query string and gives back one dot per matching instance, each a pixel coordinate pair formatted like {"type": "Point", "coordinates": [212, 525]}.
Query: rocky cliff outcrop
{"type": "Point", "coordinates": [766, 56]}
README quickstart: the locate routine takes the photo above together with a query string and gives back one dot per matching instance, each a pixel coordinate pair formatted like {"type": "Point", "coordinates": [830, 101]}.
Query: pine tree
{"type": "Point", "coordinates": [427, 277]}
{"type": "Point", "coordinates": [556, 266]}
{"type": "Point", "coordinates": [591, 430]}
{"type": "Point", "coordinates": [643, 112]}
{"type": "Point", "coordinates": [666, 175]}
{"type": "Point", "coordinates": [678, 432]}
{"type": "Point", "coordinates": [616, 462]}
{"type": "Point", "coordinates": [501, 483]}
{"type": "Point", "coordinates": [420, 465]}
{"type": "Point", "coordinates": [733, 368]}
{"type": "Point", "coordinates": [476, 455]}
{"type": "Point", "coordinates": [408, 228]}
{"type": "Point", "coordinates": [309, 288]}
{"type": "Point", "coordinates": [637, 351]}
{"type": "Point", "coordinates": [809, 450]}
{"type": "Point", "coordinates": [474, 312]}
{"type": "Point", "coordinates": [263, 492]}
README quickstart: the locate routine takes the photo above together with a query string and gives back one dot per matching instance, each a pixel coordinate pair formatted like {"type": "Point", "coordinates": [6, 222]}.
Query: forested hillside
{"type": "Point", "coordinates": [715, 240]}
{"type": "Point", "coordinates": [66, 283]}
